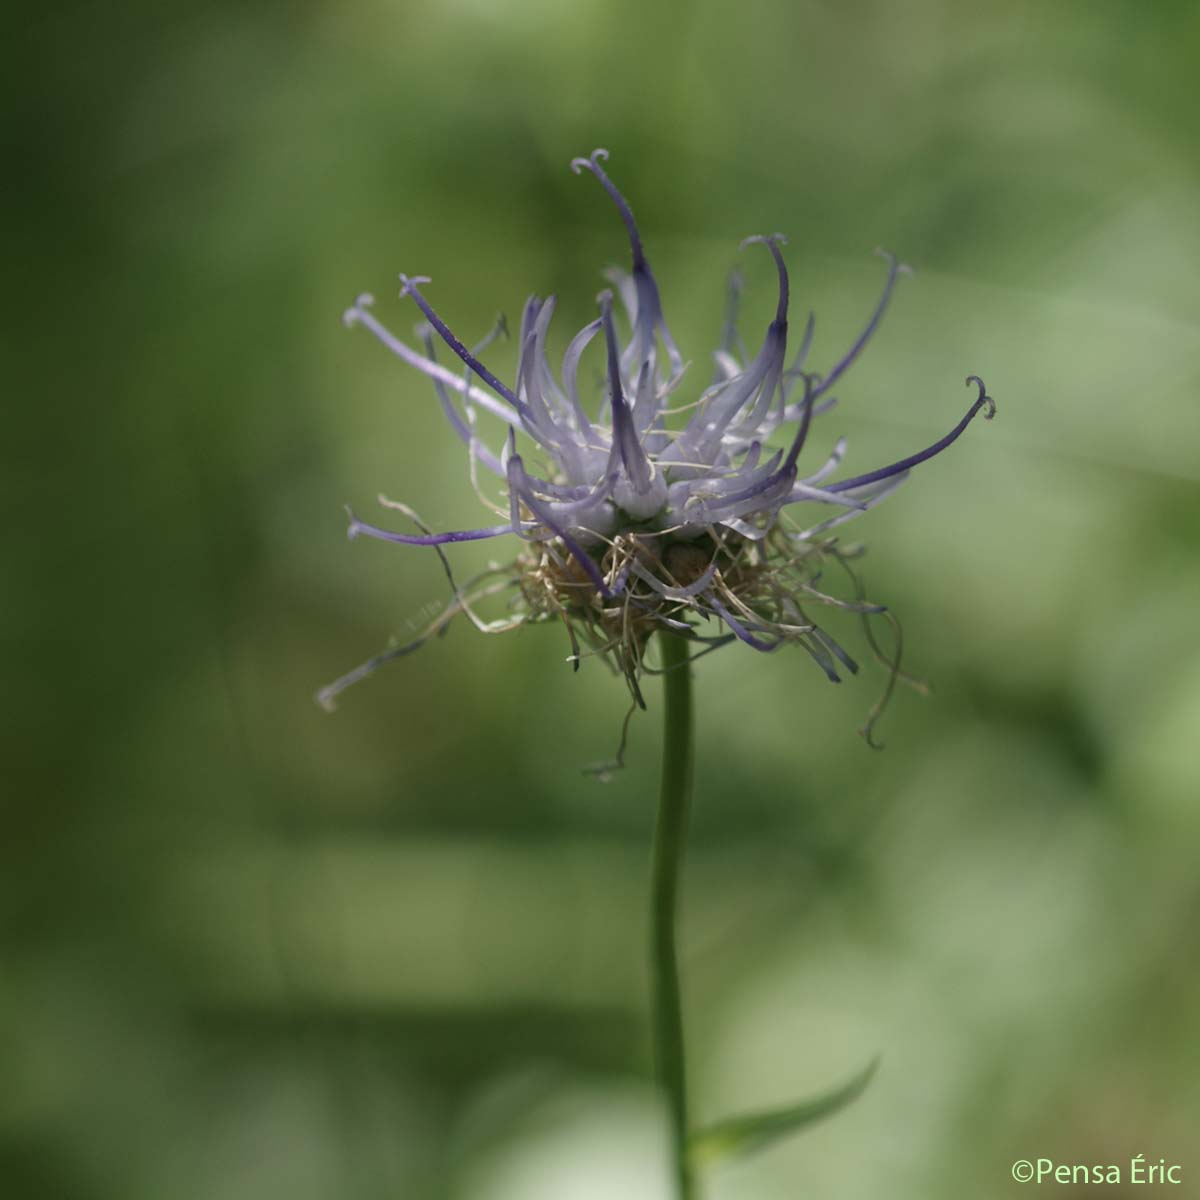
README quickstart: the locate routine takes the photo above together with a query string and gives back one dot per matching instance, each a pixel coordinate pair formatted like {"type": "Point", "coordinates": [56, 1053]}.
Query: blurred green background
{"type": "Point", "coordinates": [251, 950]}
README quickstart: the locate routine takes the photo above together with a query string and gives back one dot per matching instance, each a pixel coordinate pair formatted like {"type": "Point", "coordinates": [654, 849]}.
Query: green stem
{"type": "Point", "coordinates": [669, 838]}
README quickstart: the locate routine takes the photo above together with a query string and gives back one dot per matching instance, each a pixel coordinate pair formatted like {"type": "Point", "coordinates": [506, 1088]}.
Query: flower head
{"type": "Point", "coordinates": [634, 525]}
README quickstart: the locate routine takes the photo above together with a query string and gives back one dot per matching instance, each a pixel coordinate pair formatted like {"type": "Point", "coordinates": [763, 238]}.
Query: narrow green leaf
{"type": "Point", "coordinates": [755, 1131]}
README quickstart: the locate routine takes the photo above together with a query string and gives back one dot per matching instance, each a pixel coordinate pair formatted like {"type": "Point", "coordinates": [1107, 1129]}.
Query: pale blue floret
{"type": "Point", "coordinates": [623, 470]}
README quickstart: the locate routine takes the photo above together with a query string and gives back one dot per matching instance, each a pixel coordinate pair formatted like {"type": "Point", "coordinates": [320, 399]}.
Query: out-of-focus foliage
{"type": "Point", "coordinates": [251, 950]}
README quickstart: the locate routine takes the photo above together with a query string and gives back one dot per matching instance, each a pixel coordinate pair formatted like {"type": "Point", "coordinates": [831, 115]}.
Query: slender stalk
{"type": "Point", "coordinates": [669, 838]}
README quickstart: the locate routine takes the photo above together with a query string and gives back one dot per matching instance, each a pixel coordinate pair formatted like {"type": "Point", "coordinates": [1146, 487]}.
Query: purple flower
{"type": "Point", "coordinates": [636, 526]}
